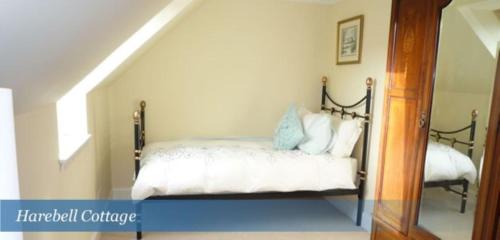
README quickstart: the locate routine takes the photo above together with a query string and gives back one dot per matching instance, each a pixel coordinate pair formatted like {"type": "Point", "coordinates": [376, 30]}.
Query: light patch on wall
{"type": "Point", "coordinates": [72, 109]}
{"type": "Point", "coordinates": [71, 124]}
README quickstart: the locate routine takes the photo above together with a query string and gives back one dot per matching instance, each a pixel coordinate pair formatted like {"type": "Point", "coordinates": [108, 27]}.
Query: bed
{"type": "Point", "coordinates": [229, 166]}
{"type": "Point", "coordinates": [243, 168]}
{"type": "Point", "coordinates": [445, 166]}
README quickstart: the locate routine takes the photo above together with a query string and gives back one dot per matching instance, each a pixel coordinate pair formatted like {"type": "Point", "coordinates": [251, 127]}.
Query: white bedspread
{"type": "Point", "coordinates": [236, 166]}
{"type": "Point", "coordinates": [445, 163]}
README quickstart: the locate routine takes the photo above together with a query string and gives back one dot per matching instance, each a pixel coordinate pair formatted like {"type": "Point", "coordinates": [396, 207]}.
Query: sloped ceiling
{"type": "Point", "coordinates": [46, 47]}
{"type": "Point", "coordinates": [484, 18]}
{"type": "Point", "coordinates": [466, 60]}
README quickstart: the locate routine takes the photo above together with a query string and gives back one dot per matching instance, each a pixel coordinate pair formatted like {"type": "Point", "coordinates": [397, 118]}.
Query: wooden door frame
{"type": "Point", "coordinates": [406, 226]}
{"type": "Point", "coordinates": [417, 231]}
{"type": "Point", "coordinates": [488, 204]}
{"type": "Point", "coordinates": [423, 68]}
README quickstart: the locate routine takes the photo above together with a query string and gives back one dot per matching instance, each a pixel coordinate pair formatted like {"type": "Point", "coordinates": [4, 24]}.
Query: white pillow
{"type": "Point", "coordinates": [318, 131]}
{"type": "Point", "coordinates": [334, 138]}
{"type": "Point", "coordinates": [346, 137]}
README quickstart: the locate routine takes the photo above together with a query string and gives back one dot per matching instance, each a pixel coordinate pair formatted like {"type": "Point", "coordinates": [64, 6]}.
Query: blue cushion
{"type": "Point", "coordinates": [290, 131]}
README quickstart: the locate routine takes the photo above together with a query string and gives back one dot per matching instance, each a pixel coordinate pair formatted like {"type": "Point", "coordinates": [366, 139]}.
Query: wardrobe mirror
{"type": "Point", "coordinates": [466, 64]}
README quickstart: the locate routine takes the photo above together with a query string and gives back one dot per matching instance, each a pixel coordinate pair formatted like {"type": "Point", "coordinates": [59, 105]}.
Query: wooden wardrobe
{"type": "Point", "coordinates": [412, 54]}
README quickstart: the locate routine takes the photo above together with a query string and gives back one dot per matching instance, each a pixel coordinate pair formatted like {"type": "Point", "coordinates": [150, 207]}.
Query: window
{"type": "Point", "coordinates": [71, 124]}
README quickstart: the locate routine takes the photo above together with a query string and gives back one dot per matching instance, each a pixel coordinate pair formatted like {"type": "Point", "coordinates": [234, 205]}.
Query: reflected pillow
{"type": "Point", "coordinates": [289, 132]}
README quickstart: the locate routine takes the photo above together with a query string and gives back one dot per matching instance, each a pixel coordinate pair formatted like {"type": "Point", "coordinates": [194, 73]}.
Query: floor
{"type": "Point", "coordinates": [316, 220]}
{"type": "Point", "coordinates": [243, 236]}
{"type": "Point", "coordinates": [440, 214]}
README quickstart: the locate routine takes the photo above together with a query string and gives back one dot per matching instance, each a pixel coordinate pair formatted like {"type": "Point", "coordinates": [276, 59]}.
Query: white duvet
{"type": "Point", "coordinates": [445, 163]}
{"type": "Point", "coordinates": [236, 166]}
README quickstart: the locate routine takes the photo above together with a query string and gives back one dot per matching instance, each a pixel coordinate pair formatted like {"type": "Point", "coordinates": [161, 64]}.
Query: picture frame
{"type": "Point", "coordinates": [350, 40]}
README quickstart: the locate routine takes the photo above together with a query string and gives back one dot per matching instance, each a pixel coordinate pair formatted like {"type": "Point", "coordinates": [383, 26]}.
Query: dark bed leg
{"type": "Point", "coordinates": [465, 186]}
{"type": "Point", "coordinates": [359, 214]}
{"type": "Point", "coordinates": [138, 211]}
{"type": "Point", "coordinates": [139, 221]}
{"type": "Point", "coordinates": [361, 202]}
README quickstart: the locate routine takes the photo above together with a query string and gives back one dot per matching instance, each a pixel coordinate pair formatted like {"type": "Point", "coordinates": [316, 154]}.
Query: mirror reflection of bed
{"type": "Point", "coordinates": [461, 100]}
{"type": "Point", "coordinates": [450, 179]}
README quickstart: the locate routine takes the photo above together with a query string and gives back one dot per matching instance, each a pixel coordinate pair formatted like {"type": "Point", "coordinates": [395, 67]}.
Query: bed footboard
{"type": "Point", "coordinates": [344, 110]}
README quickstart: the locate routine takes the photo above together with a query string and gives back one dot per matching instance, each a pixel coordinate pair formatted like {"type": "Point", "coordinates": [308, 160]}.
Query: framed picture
{"type": "Point", "coordinates": [350, 40]}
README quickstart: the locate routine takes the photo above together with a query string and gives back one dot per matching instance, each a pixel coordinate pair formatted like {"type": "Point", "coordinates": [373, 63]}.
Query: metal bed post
{"type": "Point", "coordinates": [138, 145]}
{"type": "Point", "coordinates": [465, 184]}
{"type": "Point", "coordinates": [472, 132]}
{"type": "Point", "coordinates": [362, 171]}
{"type": "Point", "coordinates": [137, 142]}
{"type": "Point", "coordinates": [323, 93]}
{"type": "Point", "coordinates": [143, 124]}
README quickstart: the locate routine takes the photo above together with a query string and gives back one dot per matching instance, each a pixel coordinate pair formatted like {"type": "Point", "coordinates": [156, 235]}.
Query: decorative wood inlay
{"type": "Point", "coordinates": [410, 41]}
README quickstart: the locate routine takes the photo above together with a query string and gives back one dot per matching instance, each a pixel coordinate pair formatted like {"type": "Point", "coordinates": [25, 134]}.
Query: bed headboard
{"type": "Point", "coordinates": [334, 107]}
{"type": "Point", "coordinates": [449, 138]}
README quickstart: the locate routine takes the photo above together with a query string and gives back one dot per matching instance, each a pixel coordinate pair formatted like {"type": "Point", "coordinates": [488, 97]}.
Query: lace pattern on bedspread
{"type": "Point", "coordinates": [209, 153]}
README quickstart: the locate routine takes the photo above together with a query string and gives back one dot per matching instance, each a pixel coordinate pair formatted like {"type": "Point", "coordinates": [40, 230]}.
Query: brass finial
{"type": "Point", "coordinates": [369, 82]}
{"type": "Point", "coordinates": [137, 117]}
{"type": "Point", "coordinates": [143, 104]}
{"type": "Point", "coordinates": [324, 79]}
{"type": "Point", "coordinates": [475, 112]}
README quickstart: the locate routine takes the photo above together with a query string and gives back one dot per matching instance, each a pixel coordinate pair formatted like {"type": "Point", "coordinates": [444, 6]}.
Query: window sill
{"type": "Point", "coordinates": [80, 143]}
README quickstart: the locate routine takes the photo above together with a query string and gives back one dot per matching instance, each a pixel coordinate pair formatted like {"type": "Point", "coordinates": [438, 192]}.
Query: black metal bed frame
{"type": "Point", "coordinates": [447, 136]}
{"type": "Point", "coordinates": [343, 110]}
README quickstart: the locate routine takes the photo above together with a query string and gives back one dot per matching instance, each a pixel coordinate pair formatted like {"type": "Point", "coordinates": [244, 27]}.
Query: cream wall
{"type": "Point", "coordinates": [98, 115]}
{"type": "Point", "coordinates": [229, 68]}
{"type": "Point", "coordinates": [85, 176]}
{"type": "Point", "coordinates": [347, 82]}
{"type": "Point", "coordinates": [464, 79]}
{"type": "Point", "coordinates": [452, 110]}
